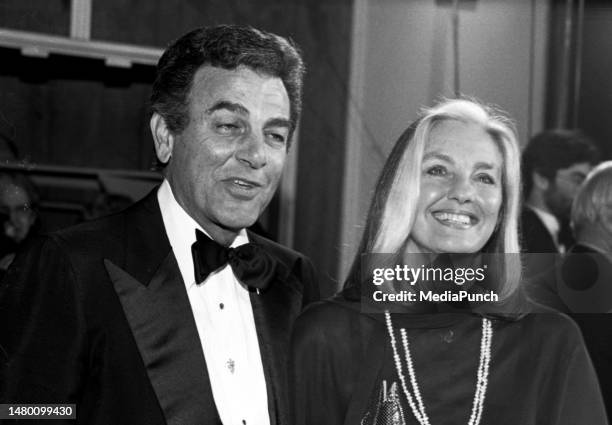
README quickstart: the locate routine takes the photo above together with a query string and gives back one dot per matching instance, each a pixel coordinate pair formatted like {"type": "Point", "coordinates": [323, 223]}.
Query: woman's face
{"type": "Point", "coordinates": [461, 190]}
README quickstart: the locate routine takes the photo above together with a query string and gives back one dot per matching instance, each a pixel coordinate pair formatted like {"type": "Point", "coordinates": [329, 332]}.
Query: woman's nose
{"type": "Point", "coordinates": [462, 190]}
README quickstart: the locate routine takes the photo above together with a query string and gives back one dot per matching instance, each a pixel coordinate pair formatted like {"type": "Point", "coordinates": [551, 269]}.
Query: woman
{"type": "Point", "coordinates": [450, 186]}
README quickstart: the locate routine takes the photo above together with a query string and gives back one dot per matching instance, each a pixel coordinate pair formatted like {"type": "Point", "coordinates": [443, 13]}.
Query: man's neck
{"type": "Point", "coordinates": [536, 200]}
{"type": "Point", "coordinates": [219, 234]}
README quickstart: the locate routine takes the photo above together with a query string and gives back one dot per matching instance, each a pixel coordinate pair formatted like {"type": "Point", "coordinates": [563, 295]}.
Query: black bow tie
{"type": "Point", "coordinates": [251, 264]}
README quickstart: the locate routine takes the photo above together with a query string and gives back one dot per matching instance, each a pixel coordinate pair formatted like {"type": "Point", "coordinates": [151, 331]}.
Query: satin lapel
{"type": "Point", "coordinates": [165, 332]}
{"type": "Point", "coordinates": [274, 311]}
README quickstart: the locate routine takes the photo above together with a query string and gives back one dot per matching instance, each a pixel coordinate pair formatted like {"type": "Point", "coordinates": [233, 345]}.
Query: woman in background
{"type": "Point", "coordinates": [450, 186]}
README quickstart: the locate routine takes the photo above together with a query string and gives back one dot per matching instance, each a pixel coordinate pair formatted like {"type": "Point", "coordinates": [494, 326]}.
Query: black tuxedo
{"type": "Point", "coordinates": [537, 244]}
{"type": "Point", "coordinates": [535, 237]}
{"type": "Point", "coordinates": [98, 315]}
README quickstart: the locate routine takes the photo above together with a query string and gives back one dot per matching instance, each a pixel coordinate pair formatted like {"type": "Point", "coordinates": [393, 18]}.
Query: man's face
{"type": "Point", "coordinates": [227, 163]}
{"type": "Point", "coordinates": [563, 189]}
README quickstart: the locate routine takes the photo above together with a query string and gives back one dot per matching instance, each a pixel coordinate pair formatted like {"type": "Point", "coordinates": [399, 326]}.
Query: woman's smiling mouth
{"type": "Point", "coordinates": [458, 220]}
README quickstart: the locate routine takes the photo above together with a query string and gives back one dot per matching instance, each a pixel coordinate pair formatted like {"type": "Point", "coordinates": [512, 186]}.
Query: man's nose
{"type": "Point", "coordinates": [462, 189]}
{"type": "Point", "coordinates": [252, 151]}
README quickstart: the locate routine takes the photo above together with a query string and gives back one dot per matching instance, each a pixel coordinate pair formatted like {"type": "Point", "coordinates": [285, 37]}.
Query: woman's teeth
{"type": "Point", "coordinates": [453, 218]}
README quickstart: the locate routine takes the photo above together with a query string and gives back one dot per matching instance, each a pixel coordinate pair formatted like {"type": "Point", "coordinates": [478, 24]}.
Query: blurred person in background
{"type": "Point", "coordinates": [18, 201]}
{"type": "Point", "coordinates": [106, 203]}
{"type": "Point", "coordinates": [554, 164]}
{"type": "Point", "coordinates": [581, 282]}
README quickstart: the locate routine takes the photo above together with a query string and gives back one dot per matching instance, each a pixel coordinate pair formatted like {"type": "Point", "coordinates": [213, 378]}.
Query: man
{"type": "Point", "coordinates": [140, 318]}
{"type": "Point", "coordinates": [555, 163]}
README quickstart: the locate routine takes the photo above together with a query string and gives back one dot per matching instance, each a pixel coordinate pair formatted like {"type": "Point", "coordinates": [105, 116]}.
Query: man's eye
{"type": "Point", "coordinates": [277, 137]}
{"type": "Point", "coordinates": [227, 128]}
{"type": "Point", "coordinates": [436, 170]}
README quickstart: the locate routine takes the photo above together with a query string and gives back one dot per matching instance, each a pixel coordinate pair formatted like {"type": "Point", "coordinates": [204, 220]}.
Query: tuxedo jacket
{"type": "Point", "coordinates": [535, 236]}
{"type": "Point", "coordinates": [537, 244]}
{"type": "Point", "coordinates": [98, 315]}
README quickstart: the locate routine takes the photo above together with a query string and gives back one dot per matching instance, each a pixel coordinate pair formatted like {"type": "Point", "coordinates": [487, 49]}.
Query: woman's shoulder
{"type": "Point", "coordinates": [548, 326]}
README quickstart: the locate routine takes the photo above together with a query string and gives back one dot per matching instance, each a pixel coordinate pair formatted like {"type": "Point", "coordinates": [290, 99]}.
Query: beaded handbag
{"type": "Point", "coordinates": [386, 409]}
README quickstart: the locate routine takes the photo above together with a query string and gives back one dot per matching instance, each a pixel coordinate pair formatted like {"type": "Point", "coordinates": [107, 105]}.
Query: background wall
{"type": "Point", "coordinates": [595, 98]}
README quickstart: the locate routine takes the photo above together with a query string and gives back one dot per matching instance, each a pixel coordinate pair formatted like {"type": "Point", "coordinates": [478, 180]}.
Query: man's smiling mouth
{"type": "Point", "coordinates": [243, 188]}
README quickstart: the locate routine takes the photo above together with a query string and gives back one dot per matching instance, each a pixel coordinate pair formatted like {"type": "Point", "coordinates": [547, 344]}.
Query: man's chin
{"type": "Point", "coordinates": [237, 224]}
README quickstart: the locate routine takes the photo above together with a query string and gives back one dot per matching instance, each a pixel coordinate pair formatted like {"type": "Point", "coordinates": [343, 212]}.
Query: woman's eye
{"type": "Point", "coordinates": [486, 179]}
{"type": "Point", "coordinates": [436, 170]}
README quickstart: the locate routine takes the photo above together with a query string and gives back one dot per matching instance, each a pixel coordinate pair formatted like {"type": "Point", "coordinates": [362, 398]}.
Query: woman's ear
{"type": "Point", "coordinates": [162, 137]}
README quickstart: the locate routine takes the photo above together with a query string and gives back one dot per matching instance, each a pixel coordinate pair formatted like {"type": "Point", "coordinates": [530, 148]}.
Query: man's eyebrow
{"type": "Point", "coordinates": [229, 106]}
{"type": "Point", "coordinates": [278, 122]}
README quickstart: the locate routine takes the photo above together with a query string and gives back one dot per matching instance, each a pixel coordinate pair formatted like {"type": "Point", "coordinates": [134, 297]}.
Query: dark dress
{"type": "Point", "coordinates": [540, 372]}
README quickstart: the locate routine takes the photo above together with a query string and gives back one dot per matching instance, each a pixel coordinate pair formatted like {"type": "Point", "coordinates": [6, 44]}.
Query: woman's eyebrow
{"type": "Point", "coordinates": [438, 155]}
{"type": "Point", "coordinates": [485, 166]}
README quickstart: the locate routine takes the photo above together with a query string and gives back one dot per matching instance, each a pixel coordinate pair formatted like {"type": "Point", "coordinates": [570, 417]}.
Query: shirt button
{"type": "Point", "coordinates": [243, 422]}
{"type": "Point", "coordinates": [221, 306]}
{"type": "Point", "coordinates": [230, 365]}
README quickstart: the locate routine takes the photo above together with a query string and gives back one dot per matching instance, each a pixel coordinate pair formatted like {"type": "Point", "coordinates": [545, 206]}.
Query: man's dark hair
{"type": "Point", "coordinates": [553, 150]}
{"type": "Point", "coordinates": [227, 47]}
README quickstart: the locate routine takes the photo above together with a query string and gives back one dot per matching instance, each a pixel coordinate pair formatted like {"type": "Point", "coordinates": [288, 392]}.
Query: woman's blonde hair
{"type": "Point", "coordinates": [392, 212]}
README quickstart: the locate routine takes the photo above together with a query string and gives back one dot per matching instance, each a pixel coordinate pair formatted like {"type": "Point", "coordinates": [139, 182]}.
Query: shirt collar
{"type": "Point", "coordinates": [180, 228]}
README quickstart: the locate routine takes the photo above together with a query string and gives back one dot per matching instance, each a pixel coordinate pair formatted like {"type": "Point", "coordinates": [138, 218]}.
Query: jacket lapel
{"type": "Point", "coordinates": [156, 306]}
{"type": "Point", "coordinates": [275, 310]}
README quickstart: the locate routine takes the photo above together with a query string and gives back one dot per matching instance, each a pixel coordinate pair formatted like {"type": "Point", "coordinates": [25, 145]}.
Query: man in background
{"type": "Point", "coordinates": [171, 312]}
{"type": "Point", "coordinates": [555, 163]}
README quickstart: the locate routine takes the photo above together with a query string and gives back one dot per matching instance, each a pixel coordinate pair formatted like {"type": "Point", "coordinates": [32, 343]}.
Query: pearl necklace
{"type": "Point", "coordinates": [416, 402]}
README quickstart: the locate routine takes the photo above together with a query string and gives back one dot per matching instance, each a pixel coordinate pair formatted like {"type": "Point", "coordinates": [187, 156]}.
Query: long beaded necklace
{"type": "Point", "coordinates": [416, 402]}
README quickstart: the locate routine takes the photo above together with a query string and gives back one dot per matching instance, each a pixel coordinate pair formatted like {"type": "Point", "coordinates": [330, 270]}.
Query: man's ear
{"type": "Point", "coordinates": [162, 137]}
{"type": "Point", "coordinates": [539, 181]}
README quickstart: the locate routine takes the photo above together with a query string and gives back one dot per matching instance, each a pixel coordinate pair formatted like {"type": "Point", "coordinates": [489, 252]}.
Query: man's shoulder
{"type": "Point", "coordinates": [551, 326]}
{"type": "Point", "coordinates": [281, 252]}
{"type": "Point", "coordinates": [105, 232]}
{"type": "Point", "coordinates": [295, 264]}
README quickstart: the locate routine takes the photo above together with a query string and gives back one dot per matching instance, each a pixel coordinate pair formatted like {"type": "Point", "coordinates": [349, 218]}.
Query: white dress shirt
{"type": "Point", "coordinates": [224, 319]}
